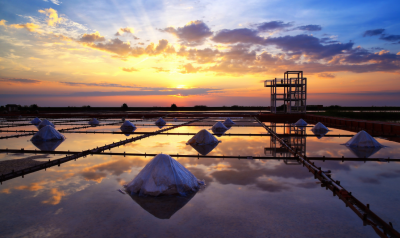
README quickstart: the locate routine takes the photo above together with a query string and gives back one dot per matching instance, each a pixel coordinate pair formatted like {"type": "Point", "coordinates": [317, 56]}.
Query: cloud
{"type": "Point", "coordinates": [93, 176]}
{"type": "Point", "coordinates": [3, 23]}
{"type": "Point", "coordinates": [139, 91]}
{"type": "Point", "coordinates": [124, 49]}
{"type": "Point", "coordinates": [31, 27]}
{"type": "Point", "coordinates": [369, 180]}
{"type": "Point", "coordinates": [148, 91]}
{"type": "Point", "coordinates": [201, 56]}
{"type": "Point", "coordinates": [18, 81]}
{"type": "Point", "coordinates": [57, 2]}
{"type": "Point", "coordinates": [53, 19]}
{"type": "Point", "coordinates": [127, 30]}
{"type": "Point", "coordinates": [6, 191]}
{"type": "Point", "coordinates": [56, 197]}
{"type": "Point", "coordinates": [192, 34]}
{"type": "Point", "coordinates": [89, 38]}
{"type": "Point", "coordinates": [31, 187]}
{"type": "Point", "coordinates": [161, 70]}
{"type": "Point", "coordinates": [328, 40]}
{"type": "Point", "coordinates": [162, 47]}
{"type": "Point", "coordinates": [62, 37]}
{"type": "Point", "coordinates": [368, 93]}
{"type": "Point", "coordinates": [129, 69]}
{"type": "Point", "coordinates": [373, 32]}
{"type": "Point", "coordinates": [361, 55]}
{"type": "Point", "coordinates": [243, 174]}
{"type": "Point", "coordinates": [235, 69]}
{"type": "Point", "coordinates": [326, 75]}
{"type": "Point", "coordinates": [241, 35]}
{"type": "Point", "coordinates": [116, 46]}
{"type": "Point", "coordinates": [309, 45]}
{"type": "Point", "coordinates": [106, 85]}
{"type": "Point", "coordinates": [189, 69]}
{"type": "Point", "coordinates": [389, 37]}
{"type": "Point", "coordinates": [392, 174]}
{"type": "Point", "coordinates": [273, 26]}
{"type": "Point", "coordinates": [116, 168]}
{"type": "Point", "coordinates": [309, 28]}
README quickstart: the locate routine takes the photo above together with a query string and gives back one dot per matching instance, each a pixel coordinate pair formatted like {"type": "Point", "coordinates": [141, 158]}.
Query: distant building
{"type": "Point", "coordinates": [12, 107]}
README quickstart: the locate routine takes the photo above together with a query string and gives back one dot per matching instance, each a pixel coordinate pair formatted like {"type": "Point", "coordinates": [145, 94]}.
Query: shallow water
{"type": "Point", "coordinates": [246, 197]}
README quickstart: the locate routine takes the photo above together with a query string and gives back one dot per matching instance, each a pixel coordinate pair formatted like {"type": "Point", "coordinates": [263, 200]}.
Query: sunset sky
{"type": "Point", "coordinates": [215, 53]}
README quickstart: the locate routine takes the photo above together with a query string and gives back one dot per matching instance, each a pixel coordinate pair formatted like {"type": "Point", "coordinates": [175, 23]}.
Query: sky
{"type": "Point", "coordinates": [214, 53]}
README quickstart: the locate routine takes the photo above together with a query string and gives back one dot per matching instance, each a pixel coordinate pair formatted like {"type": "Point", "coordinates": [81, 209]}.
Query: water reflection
{"type": "Point", "coordinates": [219, 132]}
{"type": "Point", "coordinates": [248, 191]}
{"type": "Point", "coordinates": [47, 145]}
{"type": "Point", "coordinates": [361, 152]}
{"type": "Point", "coordinates": [204, 149]}
{"type": "Point", "coordinates": [293, 137]}
{"type": "Point", "coordinates": [162, 207]}
{"type": "Point", "coordinates": [128, 130]}
{"type": "Point", "coordinates": [319, 134]}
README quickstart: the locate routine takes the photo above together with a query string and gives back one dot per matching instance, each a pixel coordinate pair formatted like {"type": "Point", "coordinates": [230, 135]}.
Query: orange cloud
{"type": "Point", "coordinates": [129, 69]}
{"type": "Point", "coordinates": [28, 26]}
{"type": "Point", "coordinates": [92, 37]}
{"type": "Point", "coordinates": [127, 30]}
{"type": "Point", "coordinates": [3, 23]}
{"type": "Point", "coordinates": [56, 197]}
{"type": "Point", "coordinates": [188, 69]}
{"type": "Point", "coordinates": [32, 187]}
{"type": "Point", "coordinates": [53, 19]}
{"type": "Point", "coordinates": [326, 75]}
{"type": "Point", "coordinates": [62, 37]}
{"type": "Point", "coordinates": [98, 172]}
{"type": "Point", "coordinates": [160, 70]}
{"type": "Point", "coordinates": [6, 191]}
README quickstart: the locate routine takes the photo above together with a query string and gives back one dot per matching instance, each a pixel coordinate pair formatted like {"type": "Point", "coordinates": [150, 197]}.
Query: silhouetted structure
{"type": "Point", "coordinates": [292, 91]}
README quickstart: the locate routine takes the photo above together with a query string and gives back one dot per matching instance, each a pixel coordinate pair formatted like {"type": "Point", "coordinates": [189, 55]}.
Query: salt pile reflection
{"type": "Point", "coordinates": [363, 152]}
{"type": "Point", "coordinates": [47, 145]}
{"type": "Point", "coordinates": [128, 130]}
{"type": "Point", "coordinates": [163, 207]}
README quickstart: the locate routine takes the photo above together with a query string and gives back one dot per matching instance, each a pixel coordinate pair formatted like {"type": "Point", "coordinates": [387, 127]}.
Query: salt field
{"type": "Point", "coordinates": [254, 187]}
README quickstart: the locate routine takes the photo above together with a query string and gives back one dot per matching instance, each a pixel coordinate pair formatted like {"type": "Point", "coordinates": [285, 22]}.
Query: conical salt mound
{"type": "Point", "coordinates": [320, 127]}
{"type": "Point", "coordinates": [300, 122]}
{"type": "Point", "coordinates": [45, 123]}
{"type": "Point", "coordinates": [36, 121]}
{"type": "Point", "coordinates": [203, 137]}
{"type": "Point", "coordinates": [94, 122]}
{"type": "Point", "coordinates": [128, 125]}
{"type": "Point", "coordinates": [163, 175]}
{"type": "Point", "coordinates": [47, 133]}
{"type": "Point", "coordinates": [160, 122]}
{"type": "Point", "coordinates": [229, 122]}
{"type": "Point", "coordinates": [219, 127]}
{"type": "Point", "coordinates": [363, 139]}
